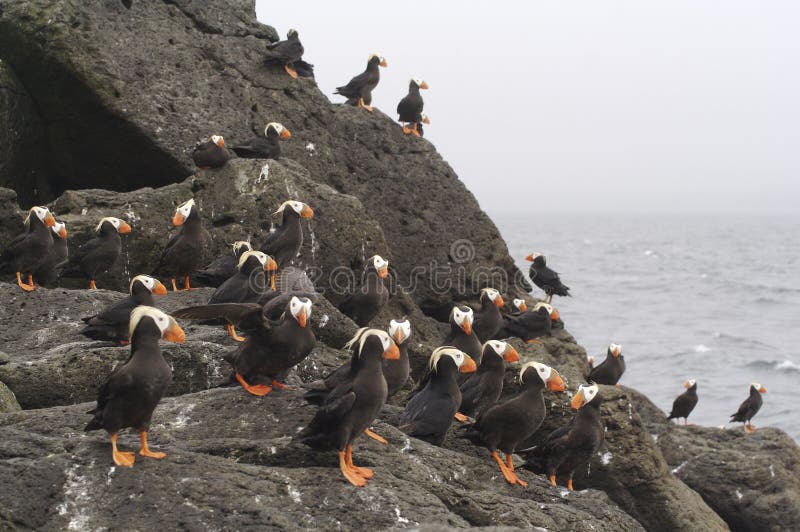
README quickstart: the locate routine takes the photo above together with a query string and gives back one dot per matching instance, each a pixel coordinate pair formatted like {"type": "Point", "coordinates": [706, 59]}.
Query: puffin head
{"type": "Point", "coordinates": [378, 59]}
{"type": "Point", "coordinates": [380, 339]}
{"type": "Point", "coordinates": [60, 228]}
{"type": "Point", "coordinates": [502, 349]}
{"type": "Point", "coordinates": [302, 210]}
{"type": "Point", "coordinates": [537, 258]}
{"type": "Point", "coordinates": [292, 34]}
{"type": "Point", "coordinates": [240, 246]}
{"type": "Point", "coordinates": [584, 395]}
{"type": "Point", "coordinates": [419, 82]}
{"type": "Point", "coordinates": [462, 316]}
{"type": "Point", "coordinates": [463, 361]}
{"type": "Point", "coordinates": [42, 214]}
{"type": "Point", "coordinates": [615, 350]}
{"type": "Point", "coordinates": [691, 383]}
{"type": "Point", "coordinates": [182, 212]}
{"type": "Point", "coordinates": [218, 140]}
{"type": "Point", "coordinates": [549, 376]}
{"type": "Point", "coordinates": [757, 387]}
{"type": "Point", "coordinates": [153, 285]}
{"type": "Point", "coordinates": [300, 309]}
{"type": "Point", "coordinates": [493, 295]}
{"type": "Point", "coordinates": [380, 265]}
{"type": "Point", "coordinates": [520, 305]}
{"type": "Point", "coordinates": [170, 330]}
{"type": "Point", "coordinates": [121, 226]}
{"type": "Point", "coordinates": [257, 258]}
{"type": "Point", "coordinates": [548, 309]}
{"type": "Point", "coordinates": [278, 129]}
{"type": "Point", "coordinates": [400, 330]}
{"type": "Point", "coordinates": [424, 118]}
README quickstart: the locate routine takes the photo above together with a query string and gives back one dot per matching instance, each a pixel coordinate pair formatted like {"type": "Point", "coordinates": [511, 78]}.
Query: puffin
{"type": "Point", "coordinates": [488, 318]}
{"type": "Point", "coordinates": [285, 53]}
{"type": "Point", "coordinates": [359, 90]}
{"type": "Point", "coordinates": [266, 147]}
{"type": "Point", "coordinates": [283, 244]}
{"type": "Point", "coordinates": [482, 389]}
{"type": "Point", "coordinates": [685, 402]}
{"type": "Point", "coordinates": [185, 250]}
{"type": "Point", "coordinates": [99, 254]}
{"type": "Point", "coordinates": [271, 347]}
{"type": "Point", "coordinates": [545, 278]}
{"type": "Point", "coordinates": [30, 250]}
{"type": "Point", "coordinates": [435, 402]}
{"type": "Point", "coordinates": [571, 446]}
{"type": "Point", "coordinates": [529, 324]}
{"type": "Point", "coordinates": [749, 407]}
{"type": "Point", "coordinates": [423, 120]}
{"type": "Point", "coordinates": [461, 335]}
{"type": "Point", "coordinates": [133, 389]}
{"type": "Point", "coordinates": [611, 369]}
{"type": "Point", "coordinates": [111, 323]}
{"type": "Point", "coordinates": [366, 302]}
{"type": "Point", "coordinates": [352, 406]}
{"type": "Point", "coordinates": [221, 268]}
{"type": "Point", "coordinates": [506, 425]}
{"type": "Point", "coordinates": [211, 153]}
{"type": "Point", "coordinates": [247, 285]}
{"type": "Point", "coordinates": [410, 107]}
{"type": "Point", "coordinates": [56, 258]}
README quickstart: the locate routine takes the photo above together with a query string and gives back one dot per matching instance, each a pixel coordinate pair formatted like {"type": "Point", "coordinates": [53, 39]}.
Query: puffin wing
{"type": "Point", "coordinates": [744, 410]}
{"type": "Point", "coordinates": [118, 312]}
{"type": "Point", "coordinates": [351, 90]}
{"type": "Point", "coordinates": [236, 313]}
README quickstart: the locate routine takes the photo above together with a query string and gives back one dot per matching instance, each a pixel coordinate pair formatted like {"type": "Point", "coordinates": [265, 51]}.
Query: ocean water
{"type": "Point", "coordinates": [712, 298]}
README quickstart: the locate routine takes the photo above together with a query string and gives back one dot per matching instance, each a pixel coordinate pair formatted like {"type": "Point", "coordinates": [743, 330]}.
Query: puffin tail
{"type": "Point", "coordinates": [97, 421]}
{"type": "Point", "coordinates": [534, 459]}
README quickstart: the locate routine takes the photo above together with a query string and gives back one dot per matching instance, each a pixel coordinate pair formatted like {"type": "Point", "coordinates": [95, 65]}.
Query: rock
{"type": "Point", "coordinates": [751, 480]}
{"type": "Point", "coordinates": [8, 403]}
{"type": "Point", "coordinates": [56, 476]}
{"type": "Point", "coordinates": [10, 217]}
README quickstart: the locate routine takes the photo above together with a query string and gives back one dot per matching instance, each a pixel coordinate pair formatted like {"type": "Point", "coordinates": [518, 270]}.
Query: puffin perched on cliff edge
{"type": "Point", "coordinates": [29, 250]}
{"type": "Point", "coordinates": [410, 107]}
{"type": "Point", "coordinates": [358, 90]}
{"type": "Point", "coordinates": [461, 335]}
{"type": "Point", "coordinates": [221, 268]}
{"type": "Point", "coordinates": [685, 402]}
{"type": "Point", "coordinates": [56, 258]}
{"type": "Point", "coordinates": [211, 153]}
{"type": "Point", "coordinates": [185, 251]}
{"type": "Point", "coordinates": [545, 278]}
{"type": "Point", "coordinates": [482, 389]}
{"type": "Point", "coordinates": [266, 147]}
{"type": "Point", "coordinates": [529, 324]}
{"type": "Point", "coordinates": [749, 407]}
{"type": "Point", "coordinates": [284, 243]}
{"type": "Point", "coordinates": [488, 318]}
{"type": "Point", "coordinates": [99, 254]}
{"type": "Point", "coordinates": [611, 369]}
{"type": "Point", "coordinates": [365, 302]}
{"type": "Point", "coordinates": [285, 53]}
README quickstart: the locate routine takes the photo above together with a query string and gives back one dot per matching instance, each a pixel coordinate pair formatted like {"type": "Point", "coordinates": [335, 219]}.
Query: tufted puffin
{"type": "Point", "coordinates": [435, 401]}
{"type": "Point", "coordinates": [247, 285]}
{"type": "Point", "coordinates": [132, 391]}
{"type": "Point", "coordinates": [211, 153]}
{"type": "Point", "coordinates": [410, 107]}
{"type": "Point", "coordinates": [266, 147]}
{"type": "Point", "coordinates": [461, 335]}
{"type": "Point", "coordinates": [285, 53]}
{"type": "Point", "coordinates": [611, 369]}
{"type": "Point", "coordinates": [359, 90]}
{"type": "Point", "coordinates": [572, 445]}
{"type": "Point", "coordinates": [749, 407]}
{"type": "Point", "coordinates": [488, 318]}
{"type": "Point", "coordinates": [56, 258]}
{"type": "Point", "coordinates": [222, 267]}
{"type": "Point", "coordinates": [482, 389]}
{"type": "Point", "coordinates": [545, 278]}
{"type": "Point", "coordinates": [30, 250]}
{"type": "Point", "coordinates": [685, 402]}
{"type": "Point", "coordinates": [111, 324]}
{"type": "Point", "coordinates": [284, 243]}
{"type": "Point", "coordinates": [186, 249]}
{"type": "Point", "coordinates": [365, 303]}
{"type": "Point", "coordinates": [271, 347]}
{"type": "Point", "coordinates": [505, 425]}
{"type": "Point", "coordinates": [99, 254]}
{"type": "Point", "coordinates": [352, 406]}
{"type": "Point", "coordinates": [530, 324]}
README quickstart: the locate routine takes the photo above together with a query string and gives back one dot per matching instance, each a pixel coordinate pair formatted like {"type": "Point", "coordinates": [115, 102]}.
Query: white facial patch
{"type": "Point", "coordinates": [458, 356]}
{"type": "Point", "coordinates": [262, 258]}
{"type": "Point", "coordinates": [216, 138]}
{"type": "Point", "coordinates": [519, 303]}
{"type": "Point", "coordinates": [491, 293]}
{"type": "Point", "coordinates": [162, 320]}
{"type": "Point", "coordinates": [296, 206]}
{"type": "Point", "coordinates": [379, 262]}
{"type": "Point", "coordinates": [186, 209]}
{"type": "Point", "coordinates": [691, 382]}
{"type": "Point", "coordinates": [58, 227]}
{"type": "Point", "coordinates": [460, 316]}
{"type": "Point", "coordinates": [542, 370]}
{"type": "Point", "coordinates": [116, 222]}
{"type": "Point", "coordinates": [146, 280]}
{"type": "Point", "coordinates": [375, 54]}
{"type": "Point", "coordinates": [536, 255]}
{"type": "Point", "coordinates": [545, 306]}
{"type": "Point", "coordinates": [498, 346]}
{"type": "Point", "coordinates": [237, 246]}
{"type": "Point", "coordinates": [403, 326]}
{"type": "Point", "coordinates": [615, 348]}
{"type": "Point", "coordinates": [41, 212]}
{"type": "Point", "coordinates": [755, 385]}
{"type": "Point", "coordinates": [274, 125]}
{"type": "Point", "coordinates": [297, 306]}
{"type": "Point", "coordinates": [417, 81]}
{"type": "Point", "coordinates": [589, 392]}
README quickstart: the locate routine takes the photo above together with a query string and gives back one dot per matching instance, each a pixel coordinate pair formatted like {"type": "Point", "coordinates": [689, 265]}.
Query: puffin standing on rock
{"type": "Point", "coordinates": [363, 305]}
{"type": "Point", "coordinates": [211, 153]}
{"type": "Point", "coordinates": [285, 53]}
{"type": "Point", "coordinates": [99, 254]}
{"type": "Point", "coordinates": [488, 318]}
{"type": "Point", "coordinates": [410, 107]}
{"type": "Point", "coordinates": [359, 90]}
{"type": "Point", "coordinates": [353, 405]}
{"type": "Point", "coordinates": [111, 324]}
{"type": "Point", "coordinates": [482, 389]}
{"type": "Point", "coordinates": [685, 402]}
{"type": "Point", "coordinates": [749, 407]}
{"type": "Point", "coordinates": [611, 369]}
{"type": "Point", "coordinates": [222, 267]}
{"type": "Point", "coordinates": [285, 242]}
{"type": "Point", "coordinates": [132, 391]}
{"type": "Point", "coordinates": [56, 258]}
{"type": "Point", "coordinates": [505, 425]}
{"type": "Point", "coordinates": [529, 324]}
{"type": "Point", "coordinates": [545, 278]}
{"type": "Point", "coordinates": [461, 336]}
{"type": "Point", "coordinates": [29, 250]}
{"type": "Point", "coordinates": [266, 147]}
{"type": "Point", "coordinates": [186, 249]}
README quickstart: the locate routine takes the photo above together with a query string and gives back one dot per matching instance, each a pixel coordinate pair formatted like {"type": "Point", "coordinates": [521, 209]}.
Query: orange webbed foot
{"type": "Point", "coordinates": [281, 386]}
{"type": "Point", "coordinates": [553, 481]}
{"type": "Point", "coordinates": [186, 285]}
{"type": "Point", "coordinates": [406, 129]}
{"type": "Point", "coordinates": [257, 389]}
{"type": "Point", "coordinates": [92, 285]}
{"type": "Point", "coordinates": [291, 71]}
{"type": "Point", "coordinates": [124, 459]}
{"type": "Point", "coordinates": [145, 450]}
{"type": "Point", "coordinates": [569, 485]}
{"type": "Point", "coordinates": [353, 478]}
{"type": "Point", "coordinates": [377, 437]}
{"type": "Point", "coordinates": [461, 417]}
{"type": "Point", "coordinates": [232, 333]}
{"type": "Point", "coordinates": [363, 472]}
{"type": "Point", "coordinates": [174, 285]}
{"type": "Point", "coordinates": [28, 287]}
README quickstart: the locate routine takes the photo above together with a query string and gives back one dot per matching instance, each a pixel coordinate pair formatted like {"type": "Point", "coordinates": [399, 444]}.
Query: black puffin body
{"type": "Point", "coordinates": [505, 425]}
{"type": "Point", "coordinates": [99, 254]}
{"type": "Point", "coordinates": [685, 402]}
{"type": "Point", "coordinates": [530, 324]}
{"type": "Point", "coordinates": [488, 319]}
{"type": "Point", "coordinates": [221, 268]}
{"type": "Point", "coordinates": [750, 407]}
{"type": "Point", "coordinates": [545, 278]}
{"type": "Point", "coordinates": [352, 406]}
{"type": "Point", "coordinates": [410, 107]}
{"type": "Point", "coordinates": [211, 153]}
{"type": "Point", "coordinates": [284, 243]}
{"type": "Point", "coordinates": [29, 251]}
{"type": "Point", "coordinates": [359, 90]}
{"type": "Point", "coordinates": [363, 305]}
{"type": "Point", "coordinates": [571, 446]}
{"type": "Point", "coordinates": [185, 251]}
{"type": "Point", "coordinates": [285, 53]}
{"type": "Point", "coordinates": [132, 391]}
{"type": "Point", "coordinates": [611, 369]}
{"type": "Point", "coordinates": [482, 389]}
{"type": "Point", "coordinates": [56, 257]}
{"type": "Point", "coordinates": [111, 324]}
{"type": "Point", "coordinates": [461, 335]}
{"type": "Point", "coordinates": [266, 147]}
{"type": "Point", "coordinates": [430, 411]}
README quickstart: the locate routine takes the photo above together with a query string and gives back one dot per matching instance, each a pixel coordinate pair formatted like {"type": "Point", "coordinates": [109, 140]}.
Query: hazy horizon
{"type": "Point", "coordinates": [585, 107]}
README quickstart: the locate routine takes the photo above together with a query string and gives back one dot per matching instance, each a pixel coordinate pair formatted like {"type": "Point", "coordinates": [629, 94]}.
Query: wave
{"type": "Point", "coordinates": [784, 366]}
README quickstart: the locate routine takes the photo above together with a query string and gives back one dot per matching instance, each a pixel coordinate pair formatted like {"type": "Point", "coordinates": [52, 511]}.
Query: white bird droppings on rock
{"type": "Point", "coordinates": [606, 458]}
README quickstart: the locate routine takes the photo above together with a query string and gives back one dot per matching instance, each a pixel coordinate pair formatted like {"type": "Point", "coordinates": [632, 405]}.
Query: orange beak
{"type": "Point", "coordinates": [178, 219]}
{"type": "Point", "coordinates": [307, 212]}
{"type": "Point", "coordinates": [62, 232]}
{"type": "Point", "coordinates": [399, 336]}
{"type": "Point", "coordinates": [424, 85]}
{"type": "Point", "coordinates": [578, 400]}
{"type": "Point", "coordinates": [125, 228]}
{"type": "Point", "coordinates": [270, 265]}
{"type": "Point", "coordinates": [523, 307]}
{"type": "Point", "coordinates": [221, 143]}
{"type": "Point", "coordinates": [383, 273]}
{"type": "Point", "coordinates": [686, 385]}
{"type": "Point", "coordinates": [555, 316]}
{"type": "Point", "coordinates": [616, 353]}
{"type": "Point", "coordinates": [49, 220]}
{"type": "Point", "coordinates": [426, 120]}
{"type": "Point", "coordinates": [499, 302]}
{"type": "Point", "coordinates": [467, 327]}
{"type": "Point", "coordinates": [529, 258]}
{"type": "Point", "coordinates": [556, 384]}
{"type": "Point", "coordinates": [302, 318]}
{"type": "Point", "coordinates": [393, 353]}
{"type": "Point", "coordinates": [511, 355]}
{"type": "Point", "coordinates": [286, 134]}
{"type": "Point", "coordinates": [762, 390]}
{"type": "Point", "coordinates": [383, 63]}
{"type": "Point", "coordinates": [469, 366]}
{"type": "Point", "coordinates": [175, 334]}
{"type": "Point", "coordinates": [159, 289]}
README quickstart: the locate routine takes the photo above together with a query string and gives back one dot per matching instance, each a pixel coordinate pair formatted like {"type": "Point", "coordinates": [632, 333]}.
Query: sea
{"type": "Point", "coordinates": [714, 298]}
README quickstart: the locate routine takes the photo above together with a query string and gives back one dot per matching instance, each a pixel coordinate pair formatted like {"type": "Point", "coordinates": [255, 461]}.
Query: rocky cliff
{"type": "Point", "coordinates": [101, 102]}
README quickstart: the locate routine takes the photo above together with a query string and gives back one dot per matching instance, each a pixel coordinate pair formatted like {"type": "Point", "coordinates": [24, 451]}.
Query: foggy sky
{"type": "Point", "coordinates": [584, 106]}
